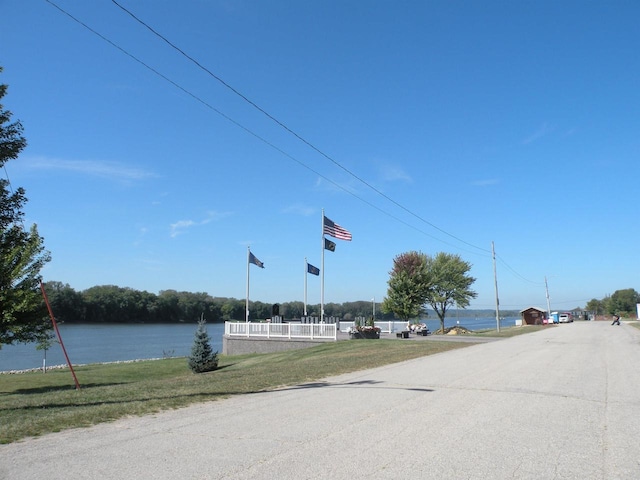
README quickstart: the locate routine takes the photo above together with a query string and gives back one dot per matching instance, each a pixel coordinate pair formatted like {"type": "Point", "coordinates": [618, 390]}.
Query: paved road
{"type": "Point", "coordinates": [558, 404]}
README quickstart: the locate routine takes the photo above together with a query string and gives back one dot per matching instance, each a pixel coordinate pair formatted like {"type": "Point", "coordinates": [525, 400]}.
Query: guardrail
{"type": "Point", "coordinates": [281, 330]}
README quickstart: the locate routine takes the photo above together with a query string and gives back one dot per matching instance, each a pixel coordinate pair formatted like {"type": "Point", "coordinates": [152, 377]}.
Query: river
{"type": "Point", "coordinates": [96, 343]}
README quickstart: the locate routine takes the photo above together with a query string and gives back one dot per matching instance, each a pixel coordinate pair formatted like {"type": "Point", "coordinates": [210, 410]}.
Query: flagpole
{"type": "Point", "coordinates": [246, 307]}
{"type": "Point", "coordinates": [322, 271]}
{"type": "Point", "coordinates": [306, 267]}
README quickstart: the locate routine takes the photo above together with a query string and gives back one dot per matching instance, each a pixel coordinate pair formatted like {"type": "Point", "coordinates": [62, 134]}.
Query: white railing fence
{"type": "Point", "coordinates": [301, 330]}
{"type": "Point", "coordinates": [281, 330]}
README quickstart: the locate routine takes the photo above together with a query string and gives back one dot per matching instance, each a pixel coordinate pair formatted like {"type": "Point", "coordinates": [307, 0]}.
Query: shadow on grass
{"type": "Point", "coordinates": [59, 388]}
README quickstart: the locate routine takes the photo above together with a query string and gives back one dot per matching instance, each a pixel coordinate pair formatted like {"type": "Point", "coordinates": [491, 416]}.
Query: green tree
{"type": "Point", "coordinates": [623, 302]}
{"type": "Point", "coordinates": [449, 284]}
{"type": "Point", "coordinates": [66, 303]}
{"type": "Point", "coordinates": [596, 306]}
{"type": "Point", "coordinates": [203, 358]}
{"type": "Point", "coordinates": [407, 285]}
{"type": "Point", "coordinates": [23, 316]}
{"type": "Point", "coordinates": [293, 309]}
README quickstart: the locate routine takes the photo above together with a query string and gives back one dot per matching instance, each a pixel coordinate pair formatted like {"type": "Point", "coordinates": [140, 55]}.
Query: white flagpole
{"type": "Point", "coordinates": [246, 309]}
{"type": "Point", "coordinates": [306, 267]}
{"type": "Point", "coordinates": [322, 272]}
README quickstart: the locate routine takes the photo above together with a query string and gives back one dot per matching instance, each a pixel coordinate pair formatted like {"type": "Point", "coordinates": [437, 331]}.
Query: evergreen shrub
{"type": "Point", "coordinates": [203, 358]}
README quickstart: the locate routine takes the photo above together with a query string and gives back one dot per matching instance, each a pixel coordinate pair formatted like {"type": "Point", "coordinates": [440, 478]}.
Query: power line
{"type": "Point", "coordinates": [289, 130]}
{"type": "Point", "coordinates": [538, 284]}
{"type": "Point", "coordinates": [239, 125]}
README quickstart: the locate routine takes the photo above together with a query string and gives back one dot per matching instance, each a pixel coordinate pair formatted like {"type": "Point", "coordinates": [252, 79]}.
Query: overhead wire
{"type": "Point", "coordinates": [285, 127]}
{"type": "Point", "coordinates": [239, 125]}
{"type": "Point", "coordinates": [291, 131]}
{"type": "Point", "coordinates": [512, 270]}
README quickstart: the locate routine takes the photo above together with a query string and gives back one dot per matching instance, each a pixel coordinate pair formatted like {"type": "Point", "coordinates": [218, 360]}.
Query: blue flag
{"type": "Point", "coordinates": [255, 261]}
{"type": "Point", "coordinates": [312, 270]}
{"type": "Point", "coordinates": [329, 245]}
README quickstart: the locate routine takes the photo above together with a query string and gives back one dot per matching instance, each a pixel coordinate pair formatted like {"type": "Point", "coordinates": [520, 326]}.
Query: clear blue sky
{"type": "Point", "coordinates": [448, 125]}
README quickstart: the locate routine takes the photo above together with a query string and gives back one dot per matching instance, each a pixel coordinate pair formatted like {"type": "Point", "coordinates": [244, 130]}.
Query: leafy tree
{"type": "Point", "coordinates": [233, 309]}
{"type": "Point", "coordinates": [260, 310]}
{"type": "Point", "coordinates": [623, 302]}
{"type": "Point", "coordinates": [596, 306]}
{"type": "Point", "coordinates": [449, 283]}
{"type": "Point", "coordinates": [408, 285]}
{"type": "Point", "coordinates": [168, 308]}
{"type": "Point", "coordinates": [66, 303]}
{"type": "Point", "coordinates": [293, 309]}
{"type": "Point", "coordinates": [23, 316]}
{"type": "Point", "coordinates": [203, 358]}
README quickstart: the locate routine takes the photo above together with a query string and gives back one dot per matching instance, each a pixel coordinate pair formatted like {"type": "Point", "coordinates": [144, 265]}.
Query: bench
{"type": "Point", "coordinates": [403, 334]}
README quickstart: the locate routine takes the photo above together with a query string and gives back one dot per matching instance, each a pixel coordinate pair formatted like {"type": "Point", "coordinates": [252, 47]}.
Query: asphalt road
{"type": "Point", "coordinates": [557, 404]}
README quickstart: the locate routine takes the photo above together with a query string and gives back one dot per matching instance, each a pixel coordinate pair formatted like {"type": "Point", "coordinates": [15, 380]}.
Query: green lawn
{"type": "Point", "coordinates": [511, 331]}
{"type": "Point", "coordinates": [36, 403]}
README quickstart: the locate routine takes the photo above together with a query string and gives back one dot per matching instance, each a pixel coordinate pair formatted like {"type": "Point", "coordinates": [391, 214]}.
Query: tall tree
{"type": "Point", "coordinates": [596, 306]}
{"type": "Point", "coordinates": [23, 316]}
{"type": "Point", "coordinates": [623, 302]}
{"type": "Point", "coordinates": [66, 303]}
{"type": "Point", "coordinates": [449, 284]}
{"type": "Point", "coordinates": [407, 286]}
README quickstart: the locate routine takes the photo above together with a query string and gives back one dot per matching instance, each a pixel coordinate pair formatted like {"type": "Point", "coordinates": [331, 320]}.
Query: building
{"type": "Point", "coordinates": [533, 316]}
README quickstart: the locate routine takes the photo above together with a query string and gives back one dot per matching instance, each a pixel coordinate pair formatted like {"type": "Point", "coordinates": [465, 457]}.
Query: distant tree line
{"type": "Point", "coordinates": [621, 302]}
{"type": "Point", "coordinates": [113, 304]}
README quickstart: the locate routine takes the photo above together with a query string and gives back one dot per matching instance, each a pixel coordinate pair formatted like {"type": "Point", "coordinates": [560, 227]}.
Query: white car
{"type": "Point", "coordinates": [565, 318]}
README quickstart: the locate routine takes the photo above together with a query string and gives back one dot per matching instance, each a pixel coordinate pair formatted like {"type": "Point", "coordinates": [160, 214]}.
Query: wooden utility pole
{"type": "Point", "coordinates": [495, 279]}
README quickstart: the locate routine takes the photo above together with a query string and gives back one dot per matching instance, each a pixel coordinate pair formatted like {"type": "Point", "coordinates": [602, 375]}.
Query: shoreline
{"type": "Point", "coordinates": [64, 366]}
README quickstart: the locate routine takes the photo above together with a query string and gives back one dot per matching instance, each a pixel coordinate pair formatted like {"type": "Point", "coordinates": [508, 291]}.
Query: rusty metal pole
{"type": "Point", "coordinates": [55, 326]}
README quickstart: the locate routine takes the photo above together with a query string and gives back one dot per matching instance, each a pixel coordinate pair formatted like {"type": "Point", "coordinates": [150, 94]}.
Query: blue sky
{"type": "Point", "coordinates": [437, 126]}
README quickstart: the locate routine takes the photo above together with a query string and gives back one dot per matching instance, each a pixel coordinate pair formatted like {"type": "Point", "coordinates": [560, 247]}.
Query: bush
{"type": "Point", "coordinates": [203, 358]}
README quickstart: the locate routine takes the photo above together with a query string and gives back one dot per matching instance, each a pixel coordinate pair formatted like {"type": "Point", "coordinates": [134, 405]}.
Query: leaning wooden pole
{"type": "Point", "coordinates": [55, 327]}
{"type": "Point", "coordinates": [495, 279]}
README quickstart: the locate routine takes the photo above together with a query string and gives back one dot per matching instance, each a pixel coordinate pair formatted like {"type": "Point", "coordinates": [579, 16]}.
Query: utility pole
{"type": "Point", "coordinates": [495, 278]}
{"type": "Point", "coordinates": [546, 287]}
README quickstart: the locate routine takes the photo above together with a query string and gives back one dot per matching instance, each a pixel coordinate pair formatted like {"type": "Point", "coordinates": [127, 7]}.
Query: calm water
{"type": "Point", "coordinates": [111, 343]}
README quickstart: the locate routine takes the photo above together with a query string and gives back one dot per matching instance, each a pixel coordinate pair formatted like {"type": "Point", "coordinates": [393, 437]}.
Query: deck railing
{"type": "Point", "coordinates": [281, 330]}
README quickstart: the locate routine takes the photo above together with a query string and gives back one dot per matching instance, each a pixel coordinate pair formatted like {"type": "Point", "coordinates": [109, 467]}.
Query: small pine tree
{"type": "Point", "coordinates": [203, 358]}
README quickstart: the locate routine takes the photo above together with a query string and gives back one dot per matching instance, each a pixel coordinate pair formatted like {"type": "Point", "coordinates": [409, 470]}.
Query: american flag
{"type": "Point", "coordinates": [334, 230]}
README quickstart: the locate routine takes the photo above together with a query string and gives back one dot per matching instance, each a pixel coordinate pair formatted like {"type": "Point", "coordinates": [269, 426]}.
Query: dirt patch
{"type": "Point", "coordinates": [457, 330]}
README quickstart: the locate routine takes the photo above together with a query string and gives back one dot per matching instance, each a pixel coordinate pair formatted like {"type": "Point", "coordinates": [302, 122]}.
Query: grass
{"type": "Point", "coordinates": [33, 404]}
{"type": "Point", "coordinates": [511, 331]}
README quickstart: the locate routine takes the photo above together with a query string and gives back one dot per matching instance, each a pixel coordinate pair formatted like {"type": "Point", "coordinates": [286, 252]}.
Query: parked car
{"type": "Point", "coordinates": [565, 317]}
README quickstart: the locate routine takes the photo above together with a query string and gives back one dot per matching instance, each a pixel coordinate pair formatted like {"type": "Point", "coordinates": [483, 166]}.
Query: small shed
{"type": "Point", "coordinates": [533, 316]}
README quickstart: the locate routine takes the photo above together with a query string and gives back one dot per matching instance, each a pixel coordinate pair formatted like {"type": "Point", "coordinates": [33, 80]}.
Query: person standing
{"type": "Point", "coordinates": [616, 320]}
